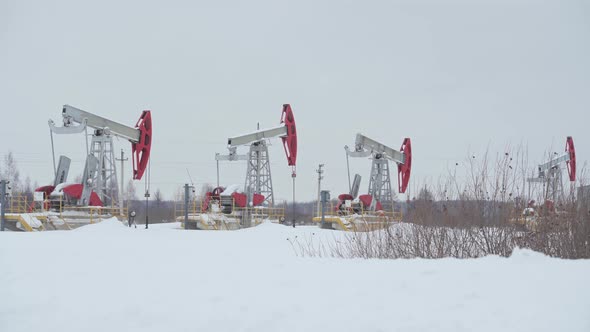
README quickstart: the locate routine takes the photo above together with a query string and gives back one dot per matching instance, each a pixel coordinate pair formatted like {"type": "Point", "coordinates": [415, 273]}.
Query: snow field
{"type": "Point", "coordinates": [107, 277]}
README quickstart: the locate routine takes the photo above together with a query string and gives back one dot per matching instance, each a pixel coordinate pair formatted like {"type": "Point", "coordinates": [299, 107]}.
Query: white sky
{"type": "Point", "coordinates": [455, 77]}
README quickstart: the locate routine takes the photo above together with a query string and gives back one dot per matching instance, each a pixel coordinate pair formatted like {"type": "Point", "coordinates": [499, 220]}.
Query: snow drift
{"type": "Point", "coordinates": [108, 277]}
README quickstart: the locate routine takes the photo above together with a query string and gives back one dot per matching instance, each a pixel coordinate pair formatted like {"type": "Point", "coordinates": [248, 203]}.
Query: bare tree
{"type": "Point", "coordinates": [205, 188]}
{"type": "Point", "coordinates": [158, 197]}
{"type": "Point", "coordinates": [113, 191]}
{"type": "Point", "coordinates": [11, 172]}
{"type": "Point", "coordinates": [425, 195]}
{"type": "Point", "coordinates": [131, 191]}
{"type": "Point", "coordinates": [28, 189]}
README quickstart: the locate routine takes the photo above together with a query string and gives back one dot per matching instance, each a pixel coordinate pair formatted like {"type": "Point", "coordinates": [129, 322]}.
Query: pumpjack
{"type": "Point", "coordinates": [549, 174]}
{"type": "Point", "coordinates": [379, 192]}
{"type": "Point", "coordinates": [257, 196]}
{"type": "Point", "coordinates": [99, 180]}
{"type": "Point", "coordinates": [375, 208]}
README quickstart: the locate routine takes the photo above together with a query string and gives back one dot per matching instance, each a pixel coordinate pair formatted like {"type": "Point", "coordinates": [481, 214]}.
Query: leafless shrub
{"type": "Point", "coordinates": [411, 240]}
{"type": "Point", "coordinates": [312, 246]}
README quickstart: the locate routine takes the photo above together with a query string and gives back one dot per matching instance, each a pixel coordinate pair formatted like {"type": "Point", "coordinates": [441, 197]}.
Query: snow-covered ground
{"type": "Point", "coordinates": [107, 277]}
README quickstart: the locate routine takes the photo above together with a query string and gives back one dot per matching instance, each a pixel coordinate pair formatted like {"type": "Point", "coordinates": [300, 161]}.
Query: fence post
{"type": "Point", "coordinates": [325, 197]}
{"type": "Point", "coordinates": [3, 185]}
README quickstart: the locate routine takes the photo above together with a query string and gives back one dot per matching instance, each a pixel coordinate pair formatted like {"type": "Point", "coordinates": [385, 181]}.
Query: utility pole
{"type": "Point", "coordinates": [122, 160]}
{"type": "Point", "coordinates": [147, 195]}
{"type": "Point", "coordinates": [217, 160]}
{"type": "Point", "coordinates": [3, 199]}
{"type": "Point", "coordinates": [293, 176]}
{"type": "Point", "coordinates": [186, 203]}
{"type": "Point", "coordinates": [325, 198]}
{"type": "Point", "coordinates": [320, 171]}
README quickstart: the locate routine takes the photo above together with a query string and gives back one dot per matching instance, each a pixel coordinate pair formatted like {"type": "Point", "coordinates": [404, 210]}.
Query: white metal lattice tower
{"type": "Point", "coordinates": [100, 171]}
{"type": "Point", "coordinates": [555, 186]}
{"type": "Point", "coordinates": [380, 182]}
{"type": "Point", "coordinates": [258, 176]}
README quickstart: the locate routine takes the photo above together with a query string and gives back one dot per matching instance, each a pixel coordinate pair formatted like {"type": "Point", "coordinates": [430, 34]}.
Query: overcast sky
{"type": "Point", "coordinates": [455, 77]}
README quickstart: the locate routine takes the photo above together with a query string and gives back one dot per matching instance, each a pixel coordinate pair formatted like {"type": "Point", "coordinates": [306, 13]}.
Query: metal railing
{"type": "Point", "coordinates": [356, 218]}
{"type": "Point", "coordinates": [93, 213]}
{"type": "Point", "coordinates": [256, 214]}
{"type": "Point", "coordinates": [18, 204]}
{"type": "Point", "coordinates": [359, 210]}
{"type": "Point", "coordinates": [21, 204]}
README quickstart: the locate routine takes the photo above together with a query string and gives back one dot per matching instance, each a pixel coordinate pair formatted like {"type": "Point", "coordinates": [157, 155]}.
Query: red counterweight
{"type": "Point", "coordinates": [571, 164]}
{"type": "Point", "coordinates": [141, 150]}
{"type": "Point", "coordinates": [289, 141]}
{"type": "Point", "coordinates": [404, 170]}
